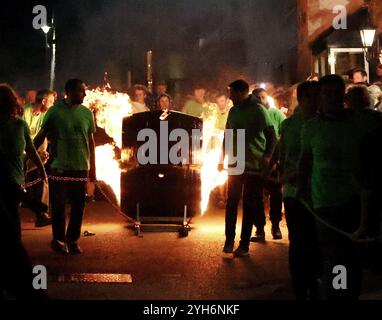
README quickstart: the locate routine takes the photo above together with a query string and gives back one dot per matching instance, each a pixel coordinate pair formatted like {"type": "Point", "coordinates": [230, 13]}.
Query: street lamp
{"type": "Point", "coordinates": [367, 36]}
{"type": "Point", "coordinates": [46, 29]}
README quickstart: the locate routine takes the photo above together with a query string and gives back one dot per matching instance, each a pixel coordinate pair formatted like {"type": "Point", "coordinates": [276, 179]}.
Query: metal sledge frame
{"type": "Point", "coordinates": [184, 226]}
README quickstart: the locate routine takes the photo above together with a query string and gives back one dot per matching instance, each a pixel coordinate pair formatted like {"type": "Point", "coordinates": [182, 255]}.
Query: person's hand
{"type": "Point", "coordinates": [220, 167]}
{"type": "Point", "coordinates": [92, 178]}
{"type": "Point", "coordinates": [265, 162]}
{"type": "Point", "coordinates": [44, 156]}
{"type": "Point", "coordinates": [360, 233]}
{"type": "Point", "coordinates": [43, 176]}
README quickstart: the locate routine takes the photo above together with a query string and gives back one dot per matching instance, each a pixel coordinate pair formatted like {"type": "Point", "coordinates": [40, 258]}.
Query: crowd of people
{"type": "Point", "coordinates": [319, 162]}
{"type": "Point", "coordinates": [325, 157]}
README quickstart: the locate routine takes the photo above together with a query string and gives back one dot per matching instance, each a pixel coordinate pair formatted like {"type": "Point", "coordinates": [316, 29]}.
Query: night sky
{"type": "Point", "coordinates": [197, 41]}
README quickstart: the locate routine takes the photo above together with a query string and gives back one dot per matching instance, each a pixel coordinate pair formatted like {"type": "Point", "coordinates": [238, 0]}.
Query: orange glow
{"type": "Point", "coordinates": [110, 109]}
{"type": "Point", "coordinates": [211, 153]}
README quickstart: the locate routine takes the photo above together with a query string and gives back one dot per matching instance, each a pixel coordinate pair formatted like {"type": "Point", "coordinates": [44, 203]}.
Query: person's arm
{"type": "Point", "coordinates": [40, 138]}
{"type": "Point", "coordinates": [32, 154]}
{"type": "Point", "coordinates": [92, 173]}
{"type": "Point", "coordinates": [282, 152]}
{"type": "Point", "coordinates": [271, 141]}
{"type": "Point", "coordinates": [305, 166]}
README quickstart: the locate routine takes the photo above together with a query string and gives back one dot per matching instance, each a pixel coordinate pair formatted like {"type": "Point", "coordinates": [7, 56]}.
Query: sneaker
{"type": "Point", "coordinates": [74, 248]}
{"type": "Point", "coordinates": [240, 253]}
{"type": "Point", "coordinates": [59, 247]}
{"type": "Point", "coordinates": [259, 236]}
{"type": "Point", "coordinates": [228, 247]}
{"type": "Point", "coordinates": [276, 233]}
{"type": "Point", "coordinates": [43, 220]}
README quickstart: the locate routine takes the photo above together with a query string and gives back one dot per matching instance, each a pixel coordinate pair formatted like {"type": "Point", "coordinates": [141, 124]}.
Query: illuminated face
{"type": "Point", "coordinates": [164, 103]}
{"type": "Point", "coordinates": [161, 89]}
{"type": "Point", "coordinates": [31, 96]}
{"type": "Point", "coordinates": [359, 78]}
{"type": "Point", "coordinates": [199, 95]}
{"type": "Point", "coordinates": [77, 95]}
{"type": "Point", "coordinates": [222, 102]}
{"type": "Point", "coordinates": [379, 71]}
{"type": "Point", "coordinates": [264, 99]}
{"type": "Point", "coordinates": [140, 96]}
{"type": "Point", "coordinates": [48, 101]}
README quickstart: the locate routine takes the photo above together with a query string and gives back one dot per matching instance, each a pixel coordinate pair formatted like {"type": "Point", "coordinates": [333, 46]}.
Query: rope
{"type": "Point", "coordinates": [68, 179]}
{"type": "Point", "coordinates": [352, 236]}
{"type": "Point", "coordinates": [31, 184]}
{"type": "Point", "coordinates": [71, 179]}
{"type": "Point", "coordinates": [114, 205]}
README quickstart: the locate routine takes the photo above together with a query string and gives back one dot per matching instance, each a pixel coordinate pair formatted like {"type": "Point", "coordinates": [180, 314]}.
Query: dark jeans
{"type": "Point", "coordinates": [10, 194]}
{"type": "Point", "coordinates": [252, 190]}
{"type": "Point", "coordinates": [275, 203]}
{"type": "Point", "coordinates": [15, 268]}
{"type": "Point", "coordinates": [35, 192]}
{"type": "Point", "coordinates": [304, 253]}
{"type": "Point", "coordinates": [339, 250]}
{"type": "Point", "coordinates": [74, 192]}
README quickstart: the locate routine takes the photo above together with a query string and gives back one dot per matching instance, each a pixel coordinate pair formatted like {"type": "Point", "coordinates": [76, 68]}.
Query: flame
{"type": "Point", "coordinates": [213, 139]}
{"type": "Point", "coordinates": [108, 169]}
{"type": "Point", "coordinates": [110, 109]}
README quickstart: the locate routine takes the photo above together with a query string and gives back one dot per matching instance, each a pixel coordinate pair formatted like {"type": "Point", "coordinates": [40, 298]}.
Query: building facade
{"type": "Point", "coordinates": [329, 36]}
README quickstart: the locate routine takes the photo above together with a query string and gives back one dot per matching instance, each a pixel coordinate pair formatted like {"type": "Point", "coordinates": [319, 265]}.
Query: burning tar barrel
{"type": "Point", "coordinates": [158, 171]}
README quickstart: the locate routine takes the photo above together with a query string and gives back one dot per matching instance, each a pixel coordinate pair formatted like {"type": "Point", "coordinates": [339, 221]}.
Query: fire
{"type": "Point", "coordinates": [211, 153]}
{"type": "Point", "coordinates": [108, 169]}
{"type": "Point", "coordinates": [110, 108]}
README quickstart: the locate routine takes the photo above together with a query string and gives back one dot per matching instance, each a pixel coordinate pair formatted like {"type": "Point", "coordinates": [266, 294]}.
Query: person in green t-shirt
{"type": "Point", "coordinates": [70, 126]}
{"type": "Point", "coordinates": [304, 262]}
{"type": "Point", "coordinates": [34, 115]}
{"type": "Point", "coordinates": [273, 188]}
{"type": "Point", "coordinates": [259, 144]}
{"type": "Point", "coordinates": [330, 169]}
{"type": "Point", "coordinates": [194, 107]}
{"type": "Point", "coordinates": [224, 105]}
{"type": "Point", "coordinates": [15, 141]}
{"type": "Point", "coordinates": [357, 99]}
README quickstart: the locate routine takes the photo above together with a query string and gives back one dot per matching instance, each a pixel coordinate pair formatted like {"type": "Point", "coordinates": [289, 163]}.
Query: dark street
{"type": "Point", "coordinates": [162, 265]}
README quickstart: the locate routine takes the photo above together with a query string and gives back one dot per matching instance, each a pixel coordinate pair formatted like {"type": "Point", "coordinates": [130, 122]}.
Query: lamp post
{"type": "Point", "coordinates": [367, 37]}
{"type": "Point", "coordinates": [46, 29]}
{"type": "Point", "coordinates": [367, 33]}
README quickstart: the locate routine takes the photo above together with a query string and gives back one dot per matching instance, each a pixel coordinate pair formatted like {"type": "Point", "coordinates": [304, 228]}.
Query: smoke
{"type": "Point", "coordinates": [200, 40]}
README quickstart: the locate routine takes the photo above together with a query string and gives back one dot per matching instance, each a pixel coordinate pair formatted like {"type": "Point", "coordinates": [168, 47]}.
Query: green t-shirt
{"type": "Point", "coordinates": [335, 146]}
{"type": "Point", "coordinates": [70, 129]}
{"type": "Point", "coordinates": [34, 121]}
{"type": "Point", "coordinates": [290, 147]}
{"type": "Point", "coordinates": [221, 120]}
{"type": "Point", "coordinates": [277, 117]}
{"type": "Point", "coordinates": [14, 138]}
{"type": "Point", "coordinates": [193, 108]}
{"type": "Point", "coordinates": [254, 119]}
